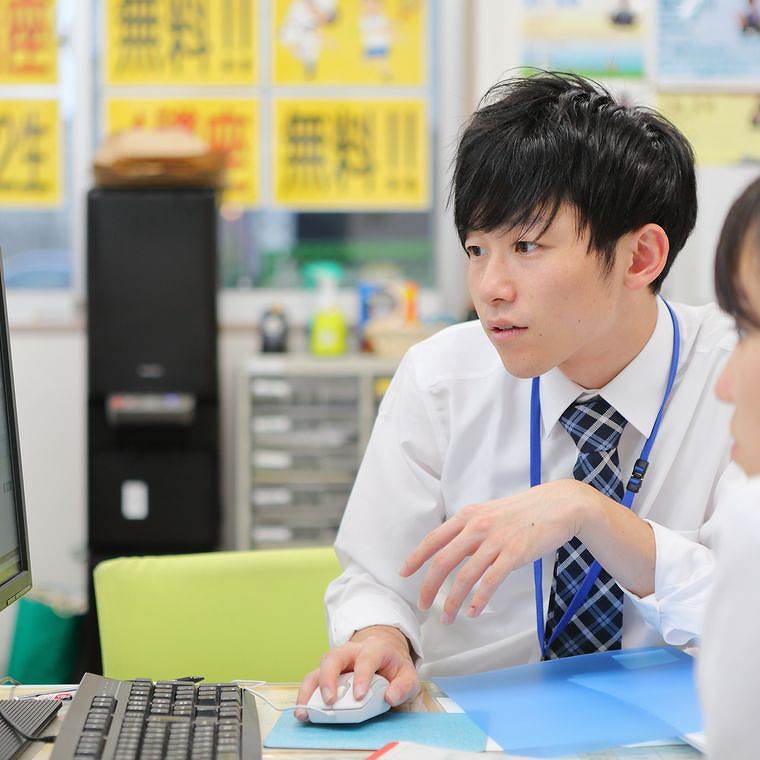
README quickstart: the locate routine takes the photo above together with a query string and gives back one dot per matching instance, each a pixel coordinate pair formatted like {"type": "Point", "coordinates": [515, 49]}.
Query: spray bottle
{"type": "Point", "coordinates": [328, 331]}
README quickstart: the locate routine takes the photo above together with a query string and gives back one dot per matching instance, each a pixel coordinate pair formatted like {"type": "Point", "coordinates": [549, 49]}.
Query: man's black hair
{"type": "Point", "coordinates": [742, 227]}
{"type": "Point", "coordinates": [539, 141]}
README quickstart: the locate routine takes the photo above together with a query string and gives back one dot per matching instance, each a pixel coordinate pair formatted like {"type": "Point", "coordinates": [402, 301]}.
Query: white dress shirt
{"type": "Point", "coordinates": [729, 660]}
{"type": "Point", "coordinates": [453, 429]}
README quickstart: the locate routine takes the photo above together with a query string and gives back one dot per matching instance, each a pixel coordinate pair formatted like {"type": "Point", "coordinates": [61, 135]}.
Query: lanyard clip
{"type": "Point", "coordinates": [637, 477]}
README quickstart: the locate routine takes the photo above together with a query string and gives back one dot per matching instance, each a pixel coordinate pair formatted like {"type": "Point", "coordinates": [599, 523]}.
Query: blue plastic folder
{"type": "Point", "coordinates": [581, 704]}
{"type": "Point", "coordinates": [438, 729]}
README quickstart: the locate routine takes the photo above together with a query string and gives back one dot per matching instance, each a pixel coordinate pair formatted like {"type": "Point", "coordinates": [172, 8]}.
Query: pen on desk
{"type": "Point", "coordinates": [61, 696]}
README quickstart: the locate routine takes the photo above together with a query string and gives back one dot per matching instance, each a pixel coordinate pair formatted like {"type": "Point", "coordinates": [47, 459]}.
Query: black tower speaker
{"type": "Point", "coordinates": [153, 399]}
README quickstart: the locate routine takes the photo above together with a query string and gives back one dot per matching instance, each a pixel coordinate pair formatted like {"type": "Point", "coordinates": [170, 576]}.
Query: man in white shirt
{"type": "Point", "coordinates": [571, 210]}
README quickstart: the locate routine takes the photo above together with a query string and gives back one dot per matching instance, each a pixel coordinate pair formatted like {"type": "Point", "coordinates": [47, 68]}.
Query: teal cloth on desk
{"type": "Point", "coordinates": [581, 704]}
{"type": "Point", "coordinates": [455, 731]}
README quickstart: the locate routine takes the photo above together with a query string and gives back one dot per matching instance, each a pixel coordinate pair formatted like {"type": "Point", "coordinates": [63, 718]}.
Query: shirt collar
{"type": "Point", "coordinates": [636, 392]}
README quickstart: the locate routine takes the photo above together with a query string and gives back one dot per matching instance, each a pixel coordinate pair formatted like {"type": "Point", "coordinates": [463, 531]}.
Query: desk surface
{"type": "Point", "coordinates": [285, 694]}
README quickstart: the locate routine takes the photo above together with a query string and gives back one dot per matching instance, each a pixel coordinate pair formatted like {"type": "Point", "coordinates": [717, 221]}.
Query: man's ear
{"type": "Point", "coordinates": [649, 247]}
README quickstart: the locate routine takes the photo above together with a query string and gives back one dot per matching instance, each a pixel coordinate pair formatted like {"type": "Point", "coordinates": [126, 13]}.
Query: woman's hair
{"type": "Point", "coordinates": [741, 228]}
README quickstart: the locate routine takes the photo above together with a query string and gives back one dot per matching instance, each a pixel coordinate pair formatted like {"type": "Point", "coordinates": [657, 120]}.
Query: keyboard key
{"type": "Point", "coordinates": [107, 702]}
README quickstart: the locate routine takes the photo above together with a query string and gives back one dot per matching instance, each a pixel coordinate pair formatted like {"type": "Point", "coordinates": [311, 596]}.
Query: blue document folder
{"type": "Point", "coordinates": [580, 704]}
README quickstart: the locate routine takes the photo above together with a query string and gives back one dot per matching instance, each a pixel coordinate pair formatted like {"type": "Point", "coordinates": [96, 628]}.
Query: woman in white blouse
{"type": "Point", "coordinates": [730, 655]}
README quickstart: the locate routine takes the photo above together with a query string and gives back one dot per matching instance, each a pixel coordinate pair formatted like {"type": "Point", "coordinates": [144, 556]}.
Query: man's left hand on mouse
{"type": "Point", "coordinates": [498, 537]}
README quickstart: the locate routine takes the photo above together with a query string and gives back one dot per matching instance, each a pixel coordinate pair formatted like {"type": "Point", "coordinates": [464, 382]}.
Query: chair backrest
{"type": "Point", "coordinates": [224, 615]}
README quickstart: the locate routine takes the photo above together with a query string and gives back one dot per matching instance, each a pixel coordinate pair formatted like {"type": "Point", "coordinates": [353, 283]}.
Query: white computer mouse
{"type": "Point", "coordinates": [348, 709]}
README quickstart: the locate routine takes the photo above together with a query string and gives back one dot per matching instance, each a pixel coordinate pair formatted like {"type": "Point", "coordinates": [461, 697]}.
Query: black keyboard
{"type": "Point", "coordinates": [143, 720]}
{"type": "Point", "coordinates": [30, 715]}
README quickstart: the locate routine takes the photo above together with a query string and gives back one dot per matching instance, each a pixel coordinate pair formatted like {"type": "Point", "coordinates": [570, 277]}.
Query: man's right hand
{"type": "Point", "coordinates": [378, 649]}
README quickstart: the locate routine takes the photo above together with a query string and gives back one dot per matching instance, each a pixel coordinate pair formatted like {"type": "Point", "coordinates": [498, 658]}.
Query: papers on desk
{"type": "Point", "coordinates": [581, 704]}
{"type": "Point", "coordinates": [412, 751]}
{"type": "Point", "coordinates": [438, 729]}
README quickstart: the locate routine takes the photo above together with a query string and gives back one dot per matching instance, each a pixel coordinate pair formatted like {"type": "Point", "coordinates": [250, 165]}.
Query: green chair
{"type": "Point", "coordinates": [224, 615]}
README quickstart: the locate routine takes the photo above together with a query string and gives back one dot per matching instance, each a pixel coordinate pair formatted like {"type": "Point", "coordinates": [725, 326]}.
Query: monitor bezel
{"type": "Point", "coordinates": [20, 583]}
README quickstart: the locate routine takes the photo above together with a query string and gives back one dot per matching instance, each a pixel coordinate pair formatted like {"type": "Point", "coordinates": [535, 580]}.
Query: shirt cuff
{"type": "Point", "coordinates": [363, 612]}
{"type": "Point", "coordinates": [683, 577]}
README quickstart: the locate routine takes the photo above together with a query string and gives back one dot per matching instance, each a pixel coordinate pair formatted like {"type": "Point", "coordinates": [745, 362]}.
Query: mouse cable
{"type": "Point", "coordinates": [294, 707]}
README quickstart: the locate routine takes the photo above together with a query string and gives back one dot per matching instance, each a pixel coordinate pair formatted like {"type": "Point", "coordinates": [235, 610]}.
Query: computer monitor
{"type": "Point", "coordinates": [15, 572]}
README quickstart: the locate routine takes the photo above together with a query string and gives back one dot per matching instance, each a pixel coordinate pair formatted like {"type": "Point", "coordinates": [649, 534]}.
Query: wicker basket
{"type": "Point", "coordinates": [393, 339]}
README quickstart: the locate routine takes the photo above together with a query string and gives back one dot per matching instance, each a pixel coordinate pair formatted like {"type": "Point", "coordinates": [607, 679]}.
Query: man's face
{"type": "Point", "coordinates": [738, 383]}
{"type": "Point", "coordinates": [543, 299]}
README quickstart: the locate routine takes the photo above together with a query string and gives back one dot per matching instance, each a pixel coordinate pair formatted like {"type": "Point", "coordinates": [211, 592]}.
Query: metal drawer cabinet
{"type": "Point", "coordinates": [303, 424]}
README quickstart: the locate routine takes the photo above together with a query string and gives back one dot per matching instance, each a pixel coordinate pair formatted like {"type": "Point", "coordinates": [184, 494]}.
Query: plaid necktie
{"type": "Point", "coordinates": [597, 626]}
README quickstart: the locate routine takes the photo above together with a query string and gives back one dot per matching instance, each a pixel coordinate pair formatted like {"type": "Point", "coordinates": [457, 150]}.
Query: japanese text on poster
{"type": "Point", "coordinates": [28, 43]}
{"type": "Point", "coordinates": [227, 124]}
{"type": "Point", "coordinates": [29, 153]}
{"type": "Point", "coordinates": [351, 153]}
{"type": "Point", "coordinates": [369, 42]}
{"type": "Point", "coordinates": [724, 129]}
{"type": "Point", "coordinates": [180, 41]}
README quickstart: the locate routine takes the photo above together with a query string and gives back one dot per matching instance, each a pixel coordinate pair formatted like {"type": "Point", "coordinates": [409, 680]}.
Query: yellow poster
{"type": "Point", "coordinates": [28, 42]}
{"type": "Point", "coordinates": [368, 42]}
{"type": "Point", "coordinates": [722, 128]}
{"type": "Point", "coordinates": [30, 153]}
{"type": "Point", "coordinates": [351, 154]}
{"type": "Point", "coordinates": [181, 41]}
{"type": "Point", "coordinates": [227, 124]}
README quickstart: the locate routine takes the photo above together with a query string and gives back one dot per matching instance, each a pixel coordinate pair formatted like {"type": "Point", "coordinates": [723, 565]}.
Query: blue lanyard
{"type": "Point", "coordinates": [634, 484]}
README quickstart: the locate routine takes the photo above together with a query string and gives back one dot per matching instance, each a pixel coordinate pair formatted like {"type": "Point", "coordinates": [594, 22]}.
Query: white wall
{"type": "Point", "coordinates": [49, 380]}
{"type": "Point", "coordinates": [236, 345]}
{"type": "Point", "coordinates": [691, 279]}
